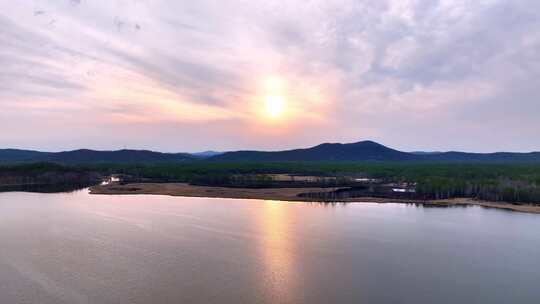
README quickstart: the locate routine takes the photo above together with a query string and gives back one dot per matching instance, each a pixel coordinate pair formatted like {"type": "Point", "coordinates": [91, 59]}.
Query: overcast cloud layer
{"type": "Point", "coordinates": [189, 75]}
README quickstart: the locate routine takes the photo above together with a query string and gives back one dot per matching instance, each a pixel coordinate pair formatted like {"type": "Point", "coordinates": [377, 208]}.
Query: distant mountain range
{"type": "Point", "coordinates": [372, 151]}
{"type": "Point", "coordinates": [359, 151]}
{"type": "Point", "coordinates": [92, 156]}
{"type": "Point", "coordinates": [206, 154]}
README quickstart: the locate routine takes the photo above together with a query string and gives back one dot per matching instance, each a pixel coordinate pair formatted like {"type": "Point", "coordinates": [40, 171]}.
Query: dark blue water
{"type": "Point", "coordinates": [78, 248]}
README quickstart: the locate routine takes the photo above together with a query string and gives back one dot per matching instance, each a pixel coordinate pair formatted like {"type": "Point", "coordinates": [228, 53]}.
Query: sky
{"type": "Point", "coordinates": [247, 74]}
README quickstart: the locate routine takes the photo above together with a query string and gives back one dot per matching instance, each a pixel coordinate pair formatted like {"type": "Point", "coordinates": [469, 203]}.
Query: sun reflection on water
{"type": "Point", "coordinates": [277, 251]}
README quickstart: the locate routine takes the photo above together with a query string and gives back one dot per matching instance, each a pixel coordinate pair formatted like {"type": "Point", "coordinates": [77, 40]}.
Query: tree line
{"type": "Point", "coordinates": [487, 181]}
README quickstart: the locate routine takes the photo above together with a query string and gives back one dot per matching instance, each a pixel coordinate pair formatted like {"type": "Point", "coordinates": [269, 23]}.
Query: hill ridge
{"type": "Point", "coordinates": [366, 150]}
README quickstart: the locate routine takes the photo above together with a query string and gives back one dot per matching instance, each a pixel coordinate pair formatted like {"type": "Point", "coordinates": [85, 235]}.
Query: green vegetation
{"type": "Point", "coordinates": [493, 181]}
{"type": "Point", "coordinates": [36, 175]}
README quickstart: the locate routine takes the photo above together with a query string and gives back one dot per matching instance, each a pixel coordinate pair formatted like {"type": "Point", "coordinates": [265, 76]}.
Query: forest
{"type": "Point", "coordinates": [517, 183]}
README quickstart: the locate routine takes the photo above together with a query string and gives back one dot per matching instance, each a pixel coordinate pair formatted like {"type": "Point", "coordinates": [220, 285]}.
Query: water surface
{"type": "Point", "coordinates": [81, 248]}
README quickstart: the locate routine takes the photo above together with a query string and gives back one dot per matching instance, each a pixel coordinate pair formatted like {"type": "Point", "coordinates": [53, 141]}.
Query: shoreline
{"type": "Point", "coordinates": [286, 194]}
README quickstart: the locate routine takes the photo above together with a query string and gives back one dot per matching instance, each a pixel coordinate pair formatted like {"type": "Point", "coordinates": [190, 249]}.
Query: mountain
{"type": "Point", "coordinates": [372, 151]}
{"type": "Point", "coordinates": [483, 157]}
{"type": "Point", "coordinates": [425, 153]}
{"type": "Point", "coordinates": [92, 156]}
{"type": "Point", "coordinates": [360, 151]}
{"type": "Point", "coordinates": [16, 155]}
{"type": "Point", "coordinates": [206, 154]}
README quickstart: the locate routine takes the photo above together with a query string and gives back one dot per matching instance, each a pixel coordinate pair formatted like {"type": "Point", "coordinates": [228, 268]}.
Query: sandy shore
{"type": "Point", "coordinates": [182, 189]}
{"type": "Point", "coordinates": [282, 194]}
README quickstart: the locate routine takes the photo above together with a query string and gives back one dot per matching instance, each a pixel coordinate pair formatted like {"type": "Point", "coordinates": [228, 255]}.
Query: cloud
{"type": "Point", "coordinates": [402, 72]}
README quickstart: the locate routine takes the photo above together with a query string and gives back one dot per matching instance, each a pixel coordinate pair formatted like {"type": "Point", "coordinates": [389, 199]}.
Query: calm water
{"type": "Point", "coordinates": [77, 248]}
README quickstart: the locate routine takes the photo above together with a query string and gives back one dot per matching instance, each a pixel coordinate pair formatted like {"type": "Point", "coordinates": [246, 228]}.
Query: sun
{"type": "Point", "coordinates": [274, 105]}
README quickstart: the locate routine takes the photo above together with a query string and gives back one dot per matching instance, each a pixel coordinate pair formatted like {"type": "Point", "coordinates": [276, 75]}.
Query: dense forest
{"type": "Point", "coordinates": [37, 175]}
{"type": "Point", "coordinates": [487, 181]}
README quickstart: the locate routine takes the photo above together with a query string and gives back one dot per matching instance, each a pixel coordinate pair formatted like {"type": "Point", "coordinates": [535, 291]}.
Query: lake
{"type": "Point", "coordinates": [81, 248]}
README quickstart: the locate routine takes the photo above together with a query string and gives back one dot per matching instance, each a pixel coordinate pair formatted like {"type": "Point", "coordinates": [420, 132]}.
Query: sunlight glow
{"type": "Point", "coordinates": [274, 105]}
{"type": "Point", "coordinates": [282, 104]}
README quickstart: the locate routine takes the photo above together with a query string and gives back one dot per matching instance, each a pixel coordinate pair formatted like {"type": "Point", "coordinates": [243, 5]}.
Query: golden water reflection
{"type": "Point", "coordinates": [277, 251]}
